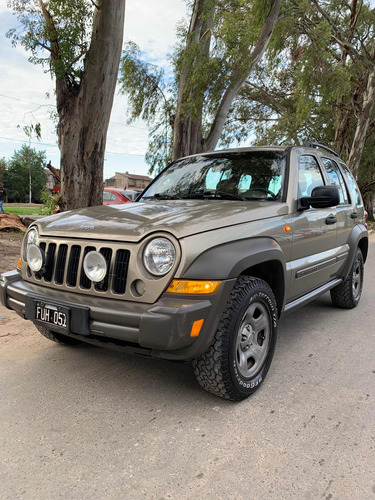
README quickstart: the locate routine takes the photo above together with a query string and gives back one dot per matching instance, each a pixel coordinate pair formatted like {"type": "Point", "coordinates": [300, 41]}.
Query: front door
{"type": "Point", "coordinates": [314, 235]}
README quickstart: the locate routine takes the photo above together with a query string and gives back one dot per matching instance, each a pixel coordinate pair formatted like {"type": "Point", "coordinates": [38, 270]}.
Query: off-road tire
{"type": "Point", "coordinates": [57, 337]}
{"type": "Point", "coordinates": [218, 369]}
{"type": "Point", "coordinates": [347, 294]}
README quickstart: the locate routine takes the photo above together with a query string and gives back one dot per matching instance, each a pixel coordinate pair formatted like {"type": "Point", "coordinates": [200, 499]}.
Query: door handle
{"type": "Point", "coordinates": [331, 219]}
{"type": "Point", "coordinates": [354, 215]}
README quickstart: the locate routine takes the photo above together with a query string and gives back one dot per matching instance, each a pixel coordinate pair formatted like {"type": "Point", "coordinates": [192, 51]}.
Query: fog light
{"type": "Point", "coordinates": [35, 258]}
{"type": "Point", "coordinates": [95, 266]}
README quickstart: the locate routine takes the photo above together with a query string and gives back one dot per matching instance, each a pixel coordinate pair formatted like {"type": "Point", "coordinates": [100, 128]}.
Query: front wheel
{"type": "Point", "coordinates": [348, 293]}
{"type": "Point", "coordinates": [240, 355]}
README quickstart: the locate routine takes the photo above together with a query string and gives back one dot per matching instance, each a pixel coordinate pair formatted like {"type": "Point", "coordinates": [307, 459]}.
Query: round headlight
{"type": "Point", "coordinates": [159, 256]}
{"type": "Point", "coordinates": [95, 266]}
{"type": "Point", "coordinates": [34, 258]}
{"type": "Point", "coordinates": [31, 238]}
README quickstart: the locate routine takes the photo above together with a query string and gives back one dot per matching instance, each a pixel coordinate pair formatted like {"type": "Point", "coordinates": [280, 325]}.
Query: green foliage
{"type": "Point", "coordinates": [49, 202]}
{"type": "Point", "coordinates": [149, 98]}
{"type": "Point", "coordinates": [18, 174]}
{"type": "Point", "coordinates": [33, 131]}
{"type": "Point", "coordinates": [142, 82]}
{"type": "Point", "coordinates": [308, 82]}
{"type": "Point", "coordinates": [52, 26]}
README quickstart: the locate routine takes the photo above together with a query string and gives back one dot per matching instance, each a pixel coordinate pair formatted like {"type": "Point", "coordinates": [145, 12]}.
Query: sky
{"type": "Point", "coordinates": [24, 88]}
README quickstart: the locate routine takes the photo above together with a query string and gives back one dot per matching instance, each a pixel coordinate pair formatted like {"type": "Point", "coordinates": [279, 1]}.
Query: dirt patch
{"type": "Point", "coordinates": [12, 327]}
{"type": "Point", "coordinates": [10, 248]}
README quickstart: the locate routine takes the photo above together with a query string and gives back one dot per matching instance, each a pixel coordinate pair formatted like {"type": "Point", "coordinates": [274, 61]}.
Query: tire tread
{"type": "Point", "coordinates": [212, 368]}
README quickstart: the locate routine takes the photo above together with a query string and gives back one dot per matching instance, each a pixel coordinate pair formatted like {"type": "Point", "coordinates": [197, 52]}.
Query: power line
{"type": "Point", "coordinates": [56, 146]}
{"type": "Point", "coordinates": [54, 106]}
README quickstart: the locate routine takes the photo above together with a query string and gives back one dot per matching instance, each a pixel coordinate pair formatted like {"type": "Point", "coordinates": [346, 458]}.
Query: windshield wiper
{"type": "Point", "coordinates": [163, 196]}
{"type": "Point", "coordinates": [211, 195]}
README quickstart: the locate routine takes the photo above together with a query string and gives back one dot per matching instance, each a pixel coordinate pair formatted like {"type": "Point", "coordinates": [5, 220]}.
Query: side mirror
{"type": "Point", "coordinates": [321, 197]}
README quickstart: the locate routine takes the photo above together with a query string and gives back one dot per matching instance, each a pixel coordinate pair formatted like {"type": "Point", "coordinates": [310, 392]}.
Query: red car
{"type": "Point", "coordinates": [114, 196]}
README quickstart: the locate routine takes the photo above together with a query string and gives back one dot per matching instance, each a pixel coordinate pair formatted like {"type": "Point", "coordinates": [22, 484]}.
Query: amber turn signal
{"type": "Point", "coordinates": [193, 287]}
{"type": "Point", "coordinates": [19, 265]}
{"type": "Point", "coordinates": [197, 327]}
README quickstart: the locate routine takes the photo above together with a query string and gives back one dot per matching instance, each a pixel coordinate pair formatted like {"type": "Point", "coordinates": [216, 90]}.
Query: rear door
{"type": "Point", "coordinates": [345, 208]}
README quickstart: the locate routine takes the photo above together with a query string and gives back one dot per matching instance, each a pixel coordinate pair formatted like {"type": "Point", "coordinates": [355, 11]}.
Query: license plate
{"type": "Point", "coordinates": [54, 315]}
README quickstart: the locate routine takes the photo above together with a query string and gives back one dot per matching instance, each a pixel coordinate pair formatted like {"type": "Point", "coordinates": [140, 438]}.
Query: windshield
{"type": "Point", "coordinates": [254, 175]}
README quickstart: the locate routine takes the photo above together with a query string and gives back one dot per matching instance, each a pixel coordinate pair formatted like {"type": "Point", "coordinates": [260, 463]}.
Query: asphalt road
{"type": "Point", "coordinates": [87, 423]}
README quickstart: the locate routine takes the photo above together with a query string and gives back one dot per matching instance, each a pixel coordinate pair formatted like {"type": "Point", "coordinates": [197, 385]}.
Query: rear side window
{"type": "Point", "coordinates": [106, 196]}
{"type": "Point", "coordinates": [309, 175]}
{"type": "Point", "coordinates": [336, 179]}
{"type": "Point", "coordinates": [353, 188]}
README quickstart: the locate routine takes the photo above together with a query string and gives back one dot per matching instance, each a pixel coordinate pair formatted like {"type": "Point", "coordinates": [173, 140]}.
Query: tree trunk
{"type": "Point", "coordinates": [187, 132]}
{"type": "Point", "coordinates": [84, 112]}
{"type": "Point", "coordinates": [363, 123]}
{"type": "Point", "coordinates": [368, 200]}
{"type": "Point", "coordinates": [187, 129]}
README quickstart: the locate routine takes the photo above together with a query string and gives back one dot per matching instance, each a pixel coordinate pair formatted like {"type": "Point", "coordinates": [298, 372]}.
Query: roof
{"type": "Point", "coordinates": [54, 171]}
{"type": "Point", "coordinates": [133, 176]}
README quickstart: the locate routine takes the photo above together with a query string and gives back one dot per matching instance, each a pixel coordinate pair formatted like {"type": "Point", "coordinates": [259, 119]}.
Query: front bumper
{"type": "Point", "coordinates": [161, 329]}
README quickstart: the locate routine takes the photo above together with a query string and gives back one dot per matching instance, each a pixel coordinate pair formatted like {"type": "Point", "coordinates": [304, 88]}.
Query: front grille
{"type": "Point", "coordinates": [60, 265]}
{"type": "Point", "coordinates": [64, 266]}
{"type": "Point", "coordinates": [120, 271]}
{"type": "Point", "coordinates": [72, 273]}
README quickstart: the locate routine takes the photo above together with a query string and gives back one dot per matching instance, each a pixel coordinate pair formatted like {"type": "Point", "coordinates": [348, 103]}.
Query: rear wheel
{"type": "Point", "coordinates": [347, 294]}
{"type": "Point", "coordinates": [57, 337]}
{"type": "Point", "coordinates": [240, 355]}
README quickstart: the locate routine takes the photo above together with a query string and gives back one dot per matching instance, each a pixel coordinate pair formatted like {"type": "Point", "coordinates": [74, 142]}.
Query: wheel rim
{"type": "Point", "coordinates": [253, 339]}
{"type": "Point", "coordinates": [357, 279]}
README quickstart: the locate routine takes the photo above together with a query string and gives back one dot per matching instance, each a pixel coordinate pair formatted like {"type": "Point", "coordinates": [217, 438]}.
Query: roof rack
{"type": "Point", "coordinates": [312, 144]}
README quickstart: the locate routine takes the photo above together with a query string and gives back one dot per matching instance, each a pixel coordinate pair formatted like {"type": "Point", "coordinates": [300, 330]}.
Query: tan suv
{"type": "Point", "coordinates": [203, 265]}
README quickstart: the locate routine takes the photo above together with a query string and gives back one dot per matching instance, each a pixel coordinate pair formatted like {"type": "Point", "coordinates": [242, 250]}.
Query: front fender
{"type": "Point", "coordinates": [229, 260]}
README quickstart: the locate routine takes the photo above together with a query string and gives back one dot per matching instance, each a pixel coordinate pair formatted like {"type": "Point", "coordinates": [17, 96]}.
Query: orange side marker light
{"type": "Point", "coordinates": [196, 328]}
{"type": "Point", "coordinates": [287, 229]}
{"type": "Point", "coordinates": [19, 265]}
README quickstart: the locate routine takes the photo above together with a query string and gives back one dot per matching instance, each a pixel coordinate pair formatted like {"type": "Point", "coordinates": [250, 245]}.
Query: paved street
{"type": "Point", "coordinates": [87, 423]}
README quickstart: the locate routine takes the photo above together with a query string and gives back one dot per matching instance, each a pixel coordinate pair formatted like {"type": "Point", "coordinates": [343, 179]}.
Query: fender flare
{"type": "Point", "coordinates": [358, 237]}
{"type": "Point", "coordinates": [229, 260]}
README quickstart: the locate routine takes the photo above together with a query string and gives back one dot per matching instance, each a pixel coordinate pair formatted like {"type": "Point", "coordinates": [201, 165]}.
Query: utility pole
{"type": "Point", "coordinates": [29, 173]}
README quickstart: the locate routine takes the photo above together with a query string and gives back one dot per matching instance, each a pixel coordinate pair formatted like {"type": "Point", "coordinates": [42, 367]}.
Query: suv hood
{"type": "Point", "coordinates": [133, 221]}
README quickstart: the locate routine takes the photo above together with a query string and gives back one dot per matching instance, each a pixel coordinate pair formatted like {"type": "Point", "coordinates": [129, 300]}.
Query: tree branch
{"type": "Point", "coordinates": [240, 74]}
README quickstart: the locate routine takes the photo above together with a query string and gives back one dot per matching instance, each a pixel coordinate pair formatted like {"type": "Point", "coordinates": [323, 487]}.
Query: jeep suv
{"type": "Point", "coordinates": [203, 265]}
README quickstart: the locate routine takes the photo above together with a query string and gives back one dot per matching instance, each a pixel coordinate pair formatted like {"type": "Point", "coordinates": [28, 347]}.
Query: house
{"type": "Point", "coordinates": [53, 178]}
{"type": "Point", "coordinates": [128, 181]}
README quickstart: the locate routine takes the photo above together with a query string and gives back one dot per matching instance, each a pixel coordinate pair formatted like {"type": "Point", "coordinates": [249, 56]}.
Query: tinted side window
{"type": "Point", "coordinates": [354, 190]}
{"type": "Point", "coordinates": [309, 175]}
{"type": "Point", "coordinates": [106, 196]}
{"type": "Point", "coordinates": [336, 179]}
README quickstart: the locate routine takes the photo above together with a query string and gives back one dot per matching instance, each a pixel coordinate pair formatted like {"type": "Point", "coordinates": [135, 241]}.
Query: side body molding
{"type": "Point", "coordinates": [229, 260]}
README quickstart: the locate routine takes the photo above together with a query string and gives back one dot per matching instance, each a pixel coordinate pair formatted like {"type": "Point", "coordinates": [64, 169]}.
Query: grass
{"type": "Point", "coordinates": [23, 208]}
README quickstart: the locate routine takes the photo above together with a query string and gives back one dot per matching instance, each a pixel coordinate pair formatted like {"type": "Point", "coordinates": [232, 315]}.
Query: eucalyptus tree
{"type": "Point", "coordinates": [217, 51]}
{"type": "Point", "coordinates": [79, 42]}
{"type": "Point", "coordinates": [319, 79]}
